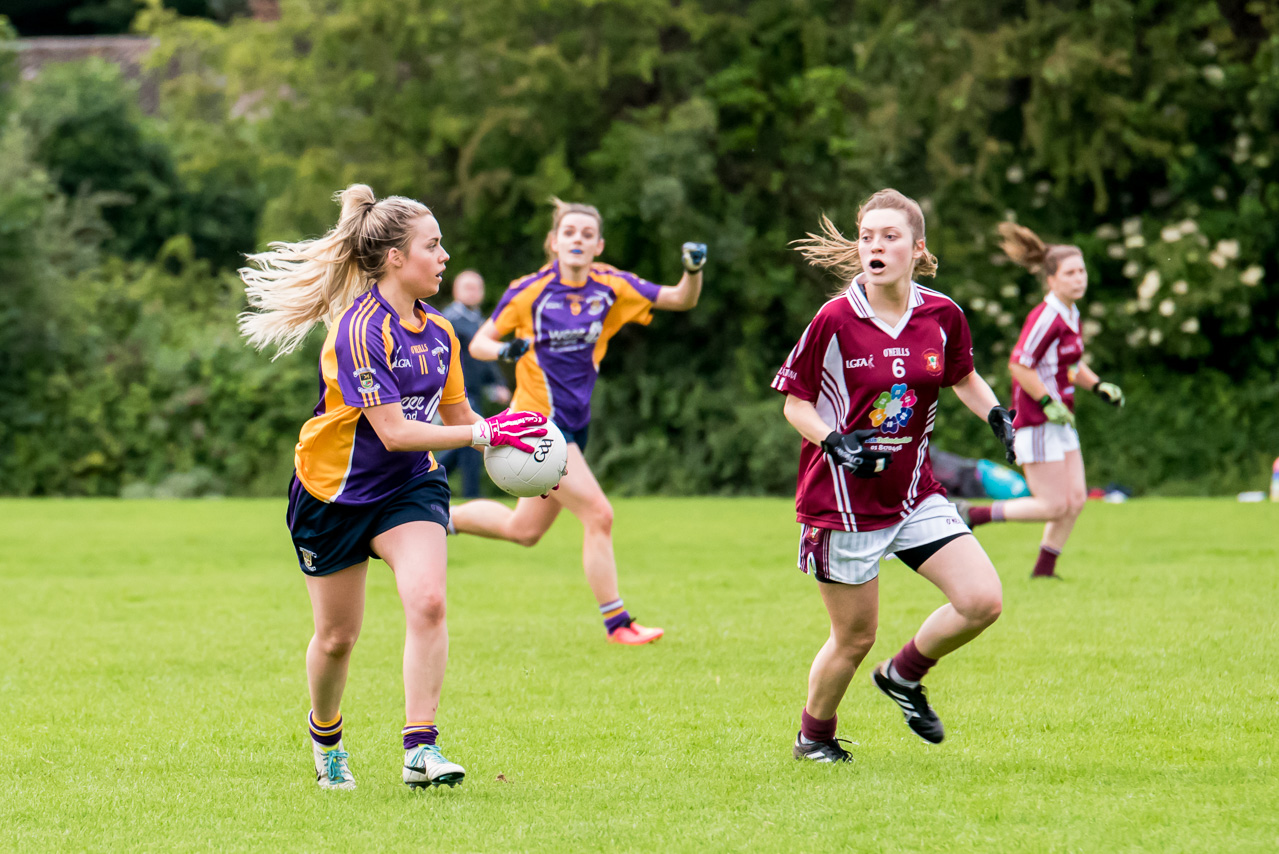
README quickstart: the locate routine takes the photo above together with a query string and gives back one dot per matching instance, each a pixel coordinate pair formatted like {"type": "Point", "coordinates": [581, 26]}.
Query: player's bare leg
{"type": "Point", "coordinates": [854, 616]}
{"type": "Point", "coordinates": [965, 574]}
{"type": "Point", "coordinates": [524, 525]}
{"type": "Point", "coordinates": [1049, 497]}
{"type": "Point", "coordinates": [417, 554]}
{"type": "Point", "coordinates": [1074, 487]}
{"type": "Point", "coordinates": [581, 495]}
{"type": "Point", "coordinates": [337, 607]}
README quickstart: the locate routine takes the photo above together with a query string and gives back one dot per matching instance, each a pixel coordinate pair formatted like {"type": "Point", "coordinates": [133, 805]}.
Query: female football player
{"type": "Point", "coordinates": [365, 482]}
{"type": "Point", "coordinates": [861, 388]}
{"type": "Point", "coordinates": [563, 317]}
{"type": "Point", "coordinates": [1046, 367]}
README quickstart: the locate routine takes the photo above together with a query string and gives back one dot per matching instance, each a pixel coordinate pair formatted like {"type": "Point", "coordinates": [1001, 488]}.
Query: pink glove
{"type": "Point", "coordinates": [508, 428]}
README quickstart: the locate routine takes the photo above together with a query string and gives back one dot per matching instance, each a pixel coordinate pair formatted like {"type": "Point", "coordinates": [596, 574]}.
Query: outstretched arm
{"type": "Point", "coordinates": [487, 345]}
{"type": "Point", "coordinates": [684, 296]}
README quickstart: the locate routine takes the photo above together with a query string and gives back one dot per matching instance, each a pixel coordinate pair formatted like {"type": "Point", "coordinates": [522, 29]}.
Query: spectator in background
{"type": "Point", "coordinates": [483, 379]}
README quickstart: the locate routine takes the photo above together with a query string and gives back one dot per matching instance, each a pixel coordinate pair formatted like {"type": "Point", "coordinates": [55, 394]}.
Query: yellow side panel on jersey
{"type": "Point", "coordinates": [630, 307]}
{"type": "Point", "coordinates": [323, 453]}
{"type": "Point", "coordinates": [531, 391]}
{"type": "Point", "coordinates": [517, 317]}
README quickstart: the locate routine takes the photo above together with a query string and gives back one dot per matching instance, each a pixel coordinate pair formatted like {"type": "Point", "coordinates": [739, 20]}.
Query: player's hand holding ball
{"type": "Point", "coordinates": [509, 428]}
{"type": "Point", "coordinates": [525, 470]}
{"type": "Point", "coordinates": [513, 349]}
{"type": "Point", "coordinates": [850, 451]}
{"type": "Point", "coordinates": [1110, 393]}
{"type": "Point", "coordinates": [1057, 412]}
{"type": "Point", "coordinates": [693, 256]}
{"type": "Point", "coordinates": [1001, 422]}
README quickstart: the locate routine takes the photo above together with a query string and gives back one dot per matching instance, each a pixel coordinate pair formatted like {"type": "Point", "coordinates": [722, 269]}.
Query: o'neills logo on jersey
{"type": "Point", "coordinates": [889, 352]}
{"type": "Point", "coordinates": [932, 361]}
{"type": "Point", "coordinates": [864, 362]}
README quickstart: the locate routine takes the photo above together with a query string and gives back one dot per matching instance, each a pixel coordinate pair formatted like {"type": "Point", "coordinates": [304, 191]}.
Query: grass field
{"type": "Point", "coordinates": [154, 695]}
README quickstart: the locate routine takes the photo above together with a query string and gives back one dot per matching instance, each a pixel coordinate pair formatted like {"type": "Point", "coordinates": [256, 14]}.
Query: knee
{"type": "Point", "coordinates": [856, 644]}
{"type": "Point", "coordinates": [336, 643]}
{"type": "Point", "coordinates": [599, 517]}
{"type": "Point", "coordinates": [1059, 507]}
{"type": "Point", "coordinates": [526, 538]}
{"type": "Point", "coordinates": [1077, 502]}
{"type": "Point", "coordinates": [983, 609]}
{"type": "Point", "coordinates": [426, 610]}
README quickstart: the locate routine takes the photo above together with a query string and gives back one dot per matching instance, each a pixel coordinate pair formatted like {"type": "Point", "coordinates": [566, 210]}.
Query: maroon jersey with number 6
{"type": "Point", "coordinates": [860, 372]}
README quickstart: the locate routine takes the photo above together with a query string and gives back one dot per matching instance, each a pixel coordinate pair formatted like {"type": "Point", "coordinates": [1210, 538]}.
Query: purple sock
{"type": "Point", "coordinates": [424, 732]}
{"type": "Point", "coordinates": [615, 615]}
{"type": "Point", "coordinates": [816, 730]}
{"type": "Point", "coordinates": [327, 734]}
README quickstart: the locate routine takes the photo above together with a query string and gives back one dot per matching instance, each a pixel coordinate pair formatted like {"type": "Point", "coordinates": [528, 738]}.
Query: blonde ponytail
{"type": "Point", "coordinates": [833, 251]}
{"type": "Point", "coordinates": [293, 286]}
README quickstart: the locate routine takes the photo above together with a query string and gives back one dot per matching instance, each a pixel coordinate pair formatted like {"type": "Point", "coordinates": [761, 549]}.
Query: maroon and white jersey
{"type": "Point", "coordinates": [1051, 344]}
{"type": "Point", "coordinates": [860, 372]}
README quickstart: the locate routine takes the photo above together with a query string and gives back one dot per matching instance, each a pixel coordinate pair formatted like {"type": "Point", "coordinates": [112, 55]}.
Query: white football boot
{"type": "Point", "coordinates": [331, 770]}
{"type": "Point", "coordinates": [424, 766]}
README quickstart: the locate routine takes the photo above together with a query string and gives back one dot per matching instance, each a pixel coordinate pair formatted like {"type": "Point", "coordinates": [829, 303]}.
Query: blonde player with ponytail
{"type": "Point", "coordinates": [562, 318]}
{"type": "Point", "coordinates": [1046, 369]}
{"type": "Point", "coordinates": [366, 483]}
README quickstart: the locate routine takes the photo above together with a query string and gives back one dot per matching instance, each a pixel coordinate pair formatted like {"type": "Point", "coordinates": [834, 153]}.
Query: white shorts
{"type": "Point", "coordinates": [852, 557]}
{"type": "Point", "coordinates": [1044, 443]}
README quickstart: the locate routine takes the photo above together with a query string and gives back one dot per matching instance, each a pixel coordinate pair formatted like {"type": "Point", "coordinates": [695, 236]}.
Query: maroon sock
{"type": "Point", "coordinates": [910, 663]}
{"type": "Point", "coordinates": [984, 515]}
{"type": "Point", "coordinates": [1047, 562]}
{"type": "Point", "coordinates": [814, 730]}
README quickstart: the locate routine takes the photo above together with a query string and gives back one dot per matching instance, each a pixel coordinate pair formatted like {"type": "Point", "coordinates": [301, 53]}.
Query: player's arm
{"type": "Point", "coordinates": [398, 433]}
{"type": "Point", "coordinates": [1109, 392]}
{"type": "Point", "coordinates": [453, 414]}
{"type": "Point", "coordinates": [847, 449]}
{"type": "Point", "coordinates": [1029, 380]}
{"type": "Point", "coordinates": [975, 393]}
{"type": "Point", "coordinates": [488, 346]}
{"type": "Point", "coordinates": [685, 295]}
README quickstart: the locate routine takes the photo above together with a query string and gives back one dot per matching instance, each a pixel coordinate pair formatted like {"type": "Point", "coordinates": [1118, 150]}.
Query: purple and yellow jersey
{"type": "Point", "coordinates": [372, 357]}
{"type": "Point", "coordinates": [570, 324]}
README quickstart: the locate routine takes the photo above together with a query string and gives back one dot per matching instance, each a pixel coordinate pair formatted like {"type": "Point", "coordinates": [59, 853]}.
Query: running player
{"type": "Point", "coordinates": [365, 482]}
{"type": "Point", "coordinates": [1046, 367]}
{"type": "Point", "coordinates": [861, 387]}
{"type": "Point", "coordinates": [563, 317]}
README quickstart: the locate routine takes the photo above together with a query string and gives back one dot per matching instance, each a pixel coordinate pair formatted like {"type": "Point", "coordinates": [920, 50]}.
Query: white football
{"type": "Point", "coordinates": [523, 474]}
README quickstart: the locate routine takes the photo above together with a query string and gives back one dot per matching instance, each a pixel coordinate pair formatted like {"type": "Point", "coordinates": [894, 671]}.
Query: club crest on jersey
{"type": "Point", "coordinates": [308, 558]}
{"type": "Point", "coordinates": [440, 353]}
{"type": "Point", "coordinates": [367, 379]}
{"type": "Point", "coordinates": [932, 361]}
{"type": "Point", "coordinates": [574, 303]}
{"type": "Point", "coordinates": [595, 305]}
{"type": "Point", "coordinates": [893, 408]}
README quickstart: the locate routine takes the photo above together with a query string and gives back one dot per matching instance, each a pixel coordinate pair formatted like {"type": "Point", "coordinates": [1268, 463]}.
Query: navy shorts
{"type": "Point", "coordinates": [329, 537]}
{"type": "Point", "coordinates": [578, 436]}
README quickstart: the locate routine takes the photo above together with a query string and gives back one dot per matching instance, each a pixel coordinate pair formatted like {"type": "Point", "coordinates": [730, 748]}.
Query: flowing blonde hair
{"type": "Point", "coordinates": [1028, 250]}
{"type": "Point", "coordinates": [563, 209]}
{"type": "Point", "coordinates": [293, 286]}
{"type": "Point", "coordinates": [833, 251]}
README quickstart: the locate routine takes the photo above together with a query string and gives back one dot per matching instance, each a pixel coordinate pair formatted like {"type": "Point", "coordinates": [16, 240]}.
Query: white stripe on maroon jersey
{"type": "Point", "coordinates": [1037, 332]}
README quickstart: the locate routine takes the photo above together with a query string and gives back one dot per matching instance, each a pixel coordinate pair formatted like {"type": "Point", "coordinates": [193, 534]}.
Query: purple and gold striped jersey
{"type": "Point", "coordinates": [372, 357]}
{"type": "Point", "coordinates": [570, 324]}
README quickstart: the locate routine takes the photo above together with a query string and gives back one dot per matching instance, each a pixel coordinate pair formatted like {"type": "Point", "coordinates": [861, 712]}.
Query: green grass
{"type": "Point", "coordinates": [154, 697]}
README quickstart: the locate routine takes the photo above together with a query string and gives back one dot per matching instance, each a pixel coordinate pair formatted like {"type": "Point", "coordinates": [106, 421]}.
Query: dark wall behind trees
{"type": "Point", "coordinates": [1145, 132]}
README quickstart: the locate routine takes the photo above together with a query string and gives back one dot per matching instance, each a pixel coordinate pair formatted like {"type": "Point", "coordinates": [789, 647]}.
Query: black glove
{"type": "Point", "coordinates": [693, 256]}
{"type": "Point", "coordinates": [849, 450]}
{"type": "Point", "coordinates": [513, 349]}
{"type": "Point", "coordinates": [1001, 421]}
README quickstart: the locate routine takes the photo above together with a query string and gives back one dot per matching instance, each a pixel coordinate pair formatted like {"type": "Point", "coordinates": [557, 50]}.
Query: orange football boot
{"type": "Point", "coordinates": [634, 634]}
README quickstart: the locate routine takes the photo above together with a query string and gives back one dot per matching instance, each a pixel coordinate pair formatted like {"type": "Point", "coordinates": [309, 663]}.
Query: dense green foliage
{"type": "Point", "coordinates": [1145, 132]}
{"type": "Point", "coordinates": [1124, 709]}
